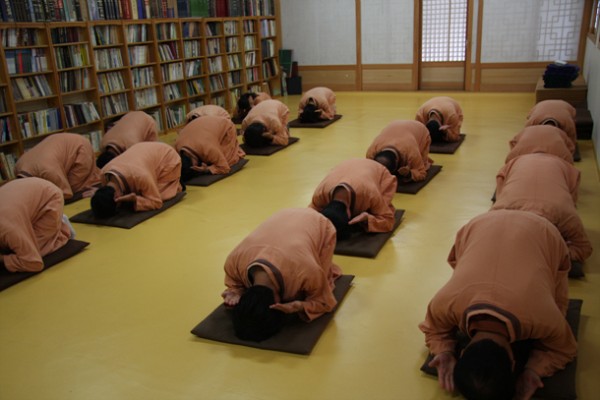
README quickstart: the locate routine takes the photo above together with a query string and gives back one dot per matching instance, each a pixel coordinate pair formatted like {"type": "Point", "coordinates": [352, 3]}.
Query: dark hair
{"type": "Point", "coordinates": [484, 371]}
{"type": "Point", "coordinates": [193, 117]}
{"type": "Point", "coordinates": [104, 158]}
{"type": "Point", "coordinates": [253, 135]}
{"type": "Point", "coordinates": [187, 172]}
{"type": "Point", "coordinates": [434, 131]}
{"type": "Point", "coordinates": [103, 202]}
{"type": "Point", "coordinates": [310, 114]}
{"type": "Point", "coordinates": [243, 104]}
{"type": "Point", "coordinates": [336, 212]}
{"type": "Point", "coordinates": [388, 159]}
{"type": "Point", "coordinates": [253, 319]}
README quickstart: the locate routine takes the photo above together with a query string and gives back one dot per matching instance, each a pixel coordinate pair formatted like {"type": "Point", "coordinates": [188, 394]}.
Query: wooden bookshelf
{"type": "Point", "coordinates": [82, 76]}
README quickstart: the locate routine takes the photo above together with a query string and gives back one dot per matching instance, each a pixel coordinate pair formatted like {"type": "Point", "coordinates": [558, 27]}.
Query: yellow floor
{"type": "Point", "coordinates": [114, 322]}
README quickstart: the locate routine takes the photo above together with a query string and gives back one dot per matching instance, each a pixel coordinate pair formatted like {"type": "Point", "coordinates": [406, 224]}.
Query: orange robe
{"type": "Point", "coordinates": [213, 140]}
{"type": "Point", "coordinates": [295, 247]}
{"type": "Point", "coordinates": [371, 188]}
{"type": "Point", "coordinates": [410, 140]}
{"type": "Point", "coordinates": [65, 159]}
{"type": "Point", "coordinates": [274, 115]}
{"type": "Point", "coordinates": [533, 184]}
{"type": "Point", "coordinates": [446, 111]}
{"type": "Point", "coordinates": [511, 265]}
{"type": "Point", "coordinates": [561, 113]}
{"type": "Point", "coordinates": [541, 139]}
{"type": "Point", "coordinates": [134, 127]}
{"type": "Point", "coordinates": [151, 170]}
{"type": "Point", "coordinates": [31, 224]}
{"type": "Point", "coordinates": [324, 99]}
{"type": "Point", "coordinates": [206, 110]}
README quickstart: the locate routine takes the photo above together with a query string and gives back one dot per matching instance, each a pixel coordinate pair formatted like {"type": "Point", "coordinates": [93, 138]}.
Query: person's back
{"type": "Point", "coordinates": [65, 159]}
{"type": "Point", "coordinates": [510, 272]}
{"type": "Point", "coordinates": [367, 192]}
{"type": "Point", "coordinates": [150, 170]}
{"type": "Point", "coordinates": [134, 127]}
{"type": "Point", "coordinates": [541, 139]}
{"type": "Point", "coordinates": [558, 113]}
{"type": "Point", "coordinates": [31, 224]}
{"type": "Point", "coordinates": [410, 141]}
{"type": "Point", "coordinates": [211, 144]}
{"type": "Point", "coordinates": [206, 111]}
{"type": "Point", "coordinates": [317, 104]}
{"type": "Point", "coordinates": [443, 117]}
{"type": "Point", "coordinates": [270, 118]}
{"type": "Point", "coordinates": [536, 184]}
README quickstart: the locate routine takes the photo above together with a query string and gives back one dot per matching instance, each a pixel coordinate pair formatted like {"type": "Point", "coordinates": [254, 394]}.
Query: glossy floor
{"type": "Point", "coordinates": [114, 322]}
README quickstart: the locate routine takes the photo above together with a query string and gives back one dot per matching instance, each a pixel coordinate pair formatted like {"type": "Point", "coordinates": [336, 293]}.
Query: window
{"type": "Point", "coordinates": [444, 30]}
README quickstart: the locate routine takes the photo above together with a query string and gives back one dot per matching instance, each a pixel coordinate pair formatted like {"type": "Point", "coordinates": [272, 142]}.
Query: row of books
{"type": "Point", "coordinates": [104, 35]}
{"type": "Point", "coordinates": [80, 114]}
{"type": "Point", "coordinates": [74, 80]}
{"type": "Point", "coordinates": [172, 72]}
{"type": "Point", "coordinates": [166, 31]}
{"type": "Point", "coordinates": [252, 75]}
{"type": "Point", "coordinates": [192, 48]}
{"type": "Point", "coordinates": [145, 98]}
{"type": "Point", "coordinates": [114, 104]}
{"type": "Point", "coordinates": [176, 115]}
{"type": "Point", "coordinates": [108, 58]}
{"type": "Point", "coordinates": [110, 82]}
{"type": "Point", "coordinates": [213, 46]}
{"type": "Point", "coordinates": [31, 87]}
{"type": "Point", "coordinates": [39, 122]}
{"type": "Point", "coordinates": [232, 44]}
{"type": "Point", "coordinates": [72, 56]}
{"type": "Point", "coordinates": [95, 137]}
{"type": "Point", "coordinates": [216, 83]}
{"type": "Point", "coordinates": [3, 104]}
{"type": "Point", "coordinates": [218, 100]}
{"type": "Point", "coordinates": [67, 35]}
{"type": "Point", "coordinates": [40, 10]}
{"type": "Point", "coordinates": [142, 77]}
{"type": "Point", "coordinates": [168, 51]}
{"type": "Point", "coordinates": [234, 61]}
{"type": "Point", "coordinates": [5, 131]}
{"type": "Point", "coordinates": [25, 61]}
{"type": "Point", "coordinates": [7, 166]}
{"type": "Point", "coordinates": [195, 87]}
{"type": "Point", "coordinates": [234, 78]}
{"type": "Point", "coordinates": [215, 65]}
{"type": "Point", "coordinates": [21, 37]}
{"type": "Point", "coordinates": [139, 55]}
{"type": "Point", "coordinates": [270, 69]}
{"type": "Point", "coordinates": [268, 48]}
{"type": "Point", "coordinates": [172, 92]}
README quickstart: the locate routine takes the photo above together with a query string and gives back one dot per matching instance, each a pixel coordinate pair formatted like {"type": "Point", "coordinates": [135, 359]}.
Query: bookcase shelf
{"type": "Point", "coordinates": [82, 76]}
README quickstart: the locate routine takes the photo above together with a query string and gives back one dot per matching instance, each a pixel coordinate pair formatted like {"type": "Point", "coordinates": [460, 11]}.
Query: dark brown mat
{"type": "Point", "coordinates": [207, 180]}
{"type": "Point", "coordinates": [321, 124]}
{"type": "Point", "coordinates": [367, 244]}
{"type": "Point", "coordinates": [584, 123]}
{"type": "Point", "coordinates": [125, 218]}
{"type": "Point", "coordinates": [576, 153]}
{"type": "Point", "coordinates": [561, 385]}
{"type": "Point", "coordinates": [576, 270]}
{"type": "Point", "coordinates": [414, 187]}
{"type": "Point", "coordinates": [72, 247]}
{"type": "Point", "coordinates": [76, 197]}
{"type": "Point", "coordinates": [296, 337]}
{"type": "Point", "coordinates": [446, 147]}
{"type": "Point", "coordinates": [268, 150]}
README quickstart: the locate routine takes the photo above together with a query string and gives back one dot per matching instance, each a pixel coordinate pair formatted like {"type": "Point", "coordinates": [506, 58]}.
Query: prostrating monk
{"type": "Point", "coordinates": [358, 192]}
{"type": "Point", "coordinates": [554, 112]}
{"type": "Point", "coordinates": [32, 224]}
{"type": "Point", "coordinates": [208, 145]}
{"type": "Point", "coordinates": [266, 124]}
{"type": "Point", "coordinates": [65, 159]}
{"type": "Point", "coordinates": [134, 127]}
{"type": "Point", "coordinates": [509, 284]}
{"type": "Point", "coordinates": [443, 117]}
{"type": "Point", "coordinates": [403, 148]}
{"type": "Point", "coordinates": [249, 100]}
{"type": "Point", "coordinates": [284, 267]}
{"type": "Point", "coordinates": [145, 175]}
{"type": "Point", "coordinates": [207, 110]}
{"type": "Point", "coordinates": [540, 183]}
{"type": "Point", "coordinates": [317, 104]}
{"type": "Point", "coordinates": [542, 139]}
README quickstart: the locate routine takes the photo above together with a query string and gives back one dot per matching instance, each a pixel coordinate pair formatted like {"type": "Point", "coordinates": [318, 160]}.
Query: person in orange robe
{"type": "Point", "coordinates": [134, 127]}
{"type": "Point", "coordinates": [266, 124]}
{"type": "Point", "coordinates": [443, 117]}
{"type": "Point", "coordinates": [536, 183]}
{"type": "Point", "coordinates": [510, 283]}
{"type": "Point", "coordinates": [357, 192]}
{"type": "Point", "coordinates": [403, 148]}
{"type": "Point", "coordinates": [558, 113]}
{"type": "Point", "coordinates": [65, 159]}
{"type": "Point", "coordinates": [317, 104]}
{"type": "Point", "coordinates": [247, 101]}
{"type": "Point", "coordinates": [207, 110]}
{"type": "Point", "coordinates": [32, 224]}
{"type": "Point", "coordinates": [285, 266]}
{"type": "Point", "coordinates": [208, 145]}
{"type": "Point", "coordinates": [541, 139]}
{"type": "Point", "coordinates": [145, 175]}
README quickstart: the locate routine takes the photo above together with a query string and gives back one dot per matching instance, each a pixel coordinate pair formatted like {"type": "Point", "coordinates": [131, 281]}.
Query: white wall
{"type": "Point", "coordinates": [591, 73]}
{"type": "Point", "coordinates": [320, 32]}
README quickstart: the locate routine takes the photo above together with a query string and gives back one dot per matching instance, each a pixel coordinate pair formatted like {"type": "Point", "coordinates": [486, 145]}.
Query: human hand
{"type": "Point", "coordinates": [89, 192]}
{"type": "Point", "coordinates": [268, 135]}
{"type": "Point", "coordinates": [363, 216]}
{"type": "Point", "coordinates": [288, 308]}
{"type": "Point", "coordinates": [444, 363]}
{"type": "Point", "coordinates": [230, 298]}
{"type": "Point", "coordinates": [404, 171]}
{"type": "Point", "coordinates": [444, 127]}
{"type": "Point", "coordinates": [527, 384]}
{"type": "Point", "coordinates": [126, 198]}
